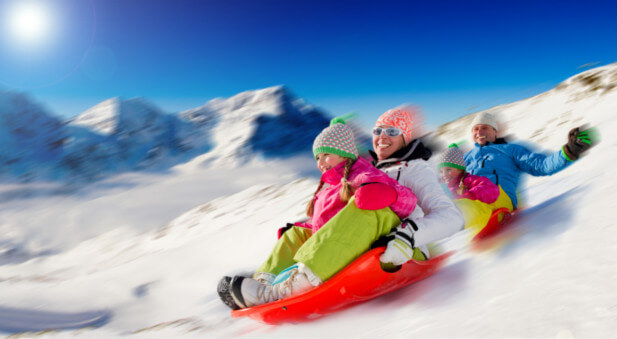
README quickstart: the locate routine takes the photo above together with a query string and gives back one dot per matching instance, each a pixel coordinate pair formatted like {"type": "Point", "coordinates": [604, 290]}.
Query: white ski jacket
{"type": "Point", "coordinates": [435, 214]}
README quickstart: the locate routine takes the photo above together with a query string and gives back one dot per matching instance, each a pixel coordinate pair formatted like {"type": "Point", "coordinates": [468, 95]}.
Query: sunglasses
{"type": "Point", "coordinates": [390, 131]}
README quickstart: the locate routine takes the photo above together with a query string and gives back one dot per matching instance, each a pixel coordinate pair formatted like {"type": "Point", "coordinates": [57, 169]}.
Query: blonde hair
{"type": "Point", "coordinates": [345, 193]}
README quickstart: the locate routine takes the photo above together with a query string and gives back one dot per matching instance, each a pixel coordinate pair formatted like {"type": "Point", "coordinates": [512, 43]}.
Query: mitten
{"type": "Point", "coordinates": [578, 142]}
{"type": "Point", "coordinates": [400, 248]}
{"type": "Point", "coordinates": [375, 196]}
{"type": "Point", "coordinates": [284, 229]}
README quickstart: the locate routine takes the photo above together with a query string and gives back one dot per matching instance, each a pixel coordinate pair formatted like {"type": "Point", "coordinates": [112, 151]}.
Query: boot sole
{"type": "Point", "coordinates": [236, 291]}
{"type": "Point", "coordinates": [224, 291]}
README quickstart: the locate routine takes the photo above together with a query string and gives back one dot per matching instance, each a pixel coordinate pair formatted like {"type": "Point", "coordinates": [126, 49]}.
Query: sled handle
{"type": "Point", "coordinates": [504, 212]}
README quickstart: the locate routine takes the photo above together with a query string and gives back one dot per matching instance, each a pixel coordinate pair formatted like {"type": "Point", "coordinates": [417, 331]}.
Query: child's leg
{"type": "Point", "coordinates": [502, 201]}
{"type": "Point", "coordinates": [344, 238]}
{"type": "Point", "coordinates": [282, 255]}
{"type": "Point", "coordinates": [475, 213]}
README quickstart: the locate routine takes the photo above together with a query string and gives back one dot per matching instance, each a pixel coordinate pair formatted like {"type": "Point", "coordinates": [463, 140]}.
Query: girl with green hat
{"type": "Point", "coordinates": [473, 194]}
{"type": "Point", "coordinates": [354, 205]}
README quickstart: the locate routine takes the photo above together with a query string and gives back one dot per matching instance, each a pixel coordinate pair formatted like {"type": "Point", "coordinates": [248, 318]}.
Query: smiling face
{"type": "Point", "coordinates": [326, 161]}
{"type": "Point", "coordinates": [384, 146]}
{"type": "Point", "coordinates": [447, 174]}
{"type": "Point", "coordinates": [483, 134]}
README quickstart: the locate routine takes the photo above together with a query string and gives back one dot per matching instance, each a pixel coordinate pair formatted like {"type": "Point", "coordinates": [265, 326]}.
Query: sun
{"type": "Point", "coordinates": [28, 22]}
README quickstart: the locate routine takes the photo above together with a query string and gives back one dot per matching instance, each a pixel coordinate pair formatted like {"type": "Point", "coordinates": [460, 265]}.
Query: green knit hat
{"type": "Point", "coordinates": [452, 157]}
{"type": "Point", "coordinates": [336, 139]}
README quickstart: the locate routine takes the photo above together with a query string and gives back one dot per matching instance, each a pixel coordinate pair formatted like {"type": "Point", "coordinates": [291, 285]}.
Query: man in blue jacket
{"type": "Point", "coordinates": [504, 163]}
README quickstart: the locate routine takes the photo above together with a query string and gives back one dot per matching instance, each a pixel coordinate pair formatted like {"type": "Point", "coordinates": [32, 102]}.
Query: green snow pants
{"type": "Point", "coordinates": [340, 241]}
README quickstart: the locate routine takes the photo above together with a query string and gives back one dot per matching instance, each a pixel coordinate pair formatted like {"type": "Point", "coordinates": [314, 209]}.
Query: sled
{"type": "Point", "coordinates": [500, 218]}
{"type": "Point", "coordinates": [360, 281]}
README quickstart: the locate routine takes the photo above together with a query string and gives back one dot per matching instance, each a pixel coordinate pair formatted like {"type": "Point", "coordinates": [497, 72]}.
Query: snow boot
{"type": "Point", "coordinates": [264, 278]}
{"type": "Point", "coordinates": [224, 291]}
{"type": "Point", "coordinates": [247, 292]}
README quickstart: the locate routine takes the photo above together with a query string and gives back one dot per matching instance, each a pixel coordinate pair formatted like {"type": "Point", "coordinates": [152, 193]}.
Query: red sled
{"type": "Point", "coordinates": [360, 281]}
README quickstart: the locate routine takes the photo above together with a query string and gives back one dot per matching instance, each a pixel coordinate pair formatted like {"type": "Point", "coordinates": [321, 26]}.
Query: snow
{"type": "Point", "coordinates": [150, 248]}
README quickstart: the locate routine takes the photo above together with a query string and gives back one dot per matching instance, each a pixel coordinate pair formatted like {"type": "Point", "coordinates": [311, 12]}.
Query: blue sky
{"type": "Point", "coordinates": [448, 57]}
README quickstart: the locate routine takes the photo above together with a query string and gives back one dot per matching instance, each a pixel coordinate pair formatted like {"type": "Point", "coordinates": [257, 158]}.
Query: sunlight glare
{"type": "Point", "coordinates": [29, 22]}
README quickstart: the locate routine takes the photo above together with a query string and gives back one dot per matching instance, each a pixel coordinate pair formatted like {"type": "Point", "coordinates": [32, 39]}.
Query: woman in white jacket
{"type": "Point", "coordinates": [405, 159]}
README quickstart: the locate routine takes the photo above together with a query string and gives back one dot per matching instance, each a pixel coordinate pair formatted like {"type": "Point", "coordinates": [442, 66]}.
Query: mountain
{"type": "Point", "coordinates": [31, 138]}
{"type": "Point", "coordinates": [269, 123]}
{"type": "Point", "coordinates": [119, 135]}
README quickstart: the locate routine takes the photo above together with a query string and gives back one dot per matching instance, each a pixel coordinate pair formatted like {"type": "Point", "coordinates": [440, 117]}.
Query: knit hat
{"type": "Point", "coordinates": [452, 157]}
{"type": "Point", "coordinates": [399, 118]}
{"type": "Point", "coordinates": [485, 118]}
{"type": "Point", "coordinates": [336, 139]}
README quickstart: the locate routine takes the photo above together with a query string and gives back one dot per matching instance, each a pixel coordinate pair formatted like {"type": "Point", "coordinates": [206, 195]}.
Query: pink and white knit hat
{"type": "Point", "coordinates": [336, 139]}
{"type": "Point", "coordinates": [452, 157]}
{"type": "Point", "coordinates": [399, 118]}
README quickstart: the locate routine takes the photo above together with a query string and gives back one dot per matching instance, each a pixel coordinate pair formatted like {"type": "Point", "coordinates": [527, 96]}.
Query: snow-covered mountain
{"type": "Point", "coordinates": [269, 123]}
{"type": "Point", "coordinates": [121, 135]}
{"type": "Point", "coordinates": [30, 137]}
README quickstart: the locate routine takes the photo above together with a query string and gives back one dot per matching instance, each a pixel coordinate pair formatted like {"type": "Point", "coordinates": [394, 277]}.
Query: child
{"type": "Point", "coordinates": [473, 194]}
{"type": "Point", "coordinates": [353, 206]}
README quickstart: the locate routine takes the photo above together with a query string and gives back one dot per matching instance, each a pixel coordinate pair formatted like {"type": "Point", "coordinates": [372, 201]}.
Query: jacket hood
{"type": "Point", "coordinates": [414, 150]}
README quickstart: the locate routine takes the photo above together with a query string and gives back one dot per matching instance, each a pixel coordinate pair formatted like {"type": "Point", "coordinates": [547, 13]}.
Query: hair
{"type": "Point", "coordinates": [461, 186]}
{"type": "Point", "coordinates": [345, 193]}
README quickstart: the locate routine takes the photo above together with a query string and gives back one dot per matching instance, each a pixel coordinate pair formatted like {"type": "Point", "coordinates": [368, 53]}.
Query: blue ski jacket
{"type": "Point", "coordinates": [504, 163]}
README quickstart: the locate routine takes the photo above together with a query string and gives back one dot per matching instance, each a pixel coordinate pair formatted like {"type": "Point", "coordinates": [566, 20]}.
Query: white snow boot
{"type": "Point", "coordinates": [247, 292]}
{"type": "Point", "coordinates": [264, 278]}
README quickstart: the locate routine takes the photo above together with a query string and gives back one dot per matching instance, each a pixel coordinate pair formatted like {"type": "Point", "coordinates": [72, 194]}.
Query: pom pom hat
{"type": "Point", "coordinates": [336, 139]}
{"type": "Point", "coordinates": [485, 118]}
{"type": "Point", "coordinates": [452, 157]}
{"type": "Point", "coordinates": [399, 118]}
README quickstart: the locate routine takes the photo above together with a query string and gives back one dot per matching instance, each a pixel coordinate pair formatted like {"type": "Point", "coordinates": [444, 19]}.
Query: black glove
{"type": "Point", "coordinates": [578, 142]}
{"type": "Point", "coordinates": [284, 229]}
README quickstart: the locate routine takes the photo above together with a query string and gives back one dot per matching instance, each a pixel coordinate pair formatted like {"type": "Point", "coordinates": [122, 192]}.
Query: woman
{"type": "Point", "coordinates": [403, 157]}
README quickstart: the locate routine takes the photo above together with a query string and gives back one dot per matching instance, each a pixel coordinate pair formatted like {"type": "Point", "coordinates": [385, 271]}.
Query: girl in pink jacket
{"type": "Point", "coordinates": [354, 205]}
{"type": "Point", "coordinates": [474, 195]}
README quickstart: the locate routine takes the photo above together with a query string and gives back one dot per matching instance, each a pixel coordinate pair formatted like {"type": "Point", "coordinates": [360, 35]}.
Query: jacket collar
{"type": "Point", "coordinates": [414, 150]}
{"type": "Point", "coordinates": [498, 141]}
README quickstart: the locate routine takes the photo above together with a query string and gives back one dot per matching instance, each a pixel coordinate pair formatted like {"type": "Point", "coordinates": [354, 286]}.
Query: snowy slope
{"type": "Point", "coordinates": [154, 262]}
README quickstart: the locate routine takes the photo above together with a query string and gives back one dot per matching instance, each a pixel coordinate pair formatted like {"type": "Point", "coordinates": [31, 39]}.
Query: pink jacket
{"type": "Point", "coordinates": [475, 188]}
{"type": "Point", "coordinates": [328, 202]}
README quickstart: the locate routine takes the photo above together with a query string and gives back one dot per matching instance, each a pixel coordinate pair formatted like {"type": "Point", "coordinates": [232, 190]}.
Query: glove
{"type": "Point", "coordinates": [578, 142]}
{"type": "Point", "coordinates": [399, 248]}
{"type": "Point", "coordinates": [375, 196]}
{"type": "Point", "coordinates": [284, 229]}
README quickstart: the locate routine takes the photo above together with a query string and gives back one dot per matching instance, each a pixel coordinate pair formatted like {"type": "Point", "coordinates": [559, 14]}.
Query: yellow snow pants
{"type": "Point", "coordinates": [477, 213]}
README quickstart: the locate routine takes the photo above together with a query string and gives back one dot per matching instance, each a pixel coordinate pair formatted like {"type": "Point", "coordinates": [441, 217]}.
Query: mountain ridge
{"type": "Point", "coordinates": [119, 135]}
